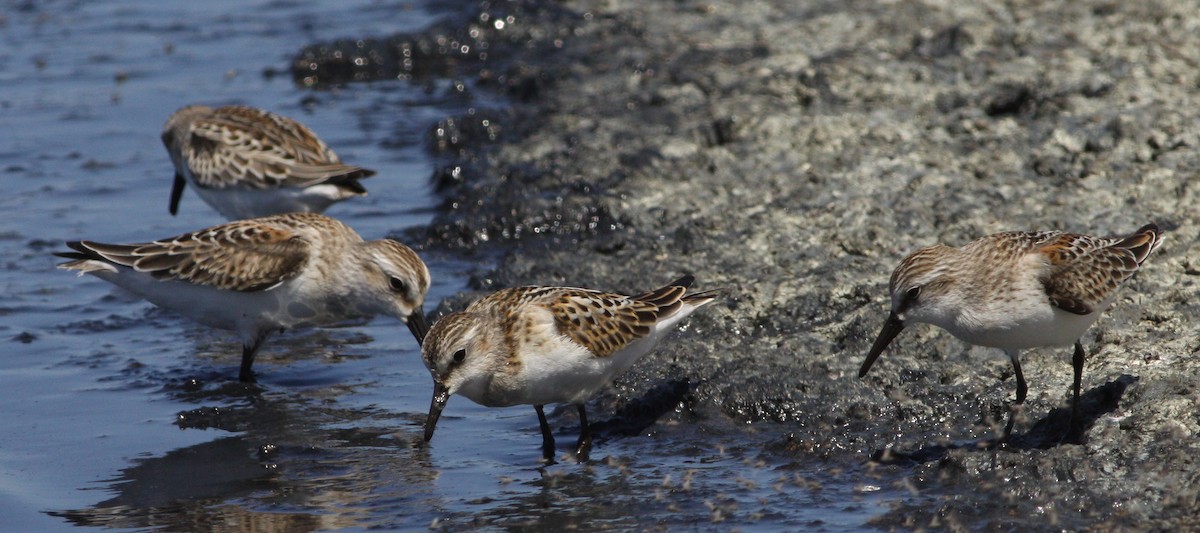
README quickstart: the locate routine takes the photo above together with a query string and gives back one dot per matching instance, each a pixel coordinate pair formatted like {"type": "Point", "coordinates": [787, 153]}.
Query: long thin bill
{"type": "Point", "coordinates": [440, 395]}
{"type": "Point", "coordinates": [891, 328]}
{"type": "Point", "coordinates": [176, 193]}
{"type": "Point", "coordinates": [416, 324]}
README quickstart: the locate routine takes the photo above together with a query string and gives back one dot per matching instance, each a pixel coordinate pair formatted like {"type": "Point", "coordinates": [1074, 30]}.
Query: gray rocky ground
{"type": "Point", "coordinates": [791, 153]}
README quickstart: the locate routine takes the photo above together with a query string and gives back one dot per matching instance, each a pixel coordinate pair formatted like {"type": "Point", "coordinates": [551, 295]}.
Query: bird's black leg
{"type": "Point", "coordinates": [584, 446]}
{"type": "Point", "coordinates": [1022, 389]}
{"type": "Point", "coordinates": [248, 352]}
{"type": "Point", "coordinates": [1076, 362]}
{"type": "Point", "coordinates": [176, 193]}
{"type": "Point", "coordinates": [547, 438]}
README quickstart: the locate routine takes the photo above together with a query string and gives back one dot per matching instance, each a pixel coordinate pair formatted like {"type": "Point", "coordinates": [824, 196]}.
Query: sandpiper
{"type": "Point", "coordinates": [540, 345]}
{"type": "Point", "coordinates": [246, 162]}
{"type": "Point", "coordinates": [1014, 291]}
{"type": "Point", "coordinates": [265, 274]}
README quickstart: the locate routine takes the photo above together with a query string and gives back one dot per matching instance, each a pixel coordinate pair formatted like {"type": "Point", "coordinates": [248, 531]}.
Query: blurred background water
{"type": "Point", "coordinates": [115, 413]}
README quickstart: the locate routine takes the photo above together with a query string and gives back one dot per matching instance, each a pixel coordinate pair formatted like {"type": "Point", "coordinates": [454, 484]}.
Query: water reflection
{"type": "Point", "coordinates": [299, 459]}
{"type": "Point", "coordinates": [291, 469]}
{"type": "Point", "coordinates": [701, 474]}
{"type": "Point", "coordinates": [179, 487]}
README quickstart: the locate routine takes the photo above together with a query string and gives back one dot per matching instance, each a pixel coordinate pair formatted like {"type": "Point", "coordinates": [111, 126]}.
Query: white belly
{"type": "Point", "coordinates": [1046, 326]}
{"type": "Point", "coordinates": [245, 312]}
{"type": "Point", "coordinates": [564, 372]}
{"type": "Point", "coordinates": [237, 203]}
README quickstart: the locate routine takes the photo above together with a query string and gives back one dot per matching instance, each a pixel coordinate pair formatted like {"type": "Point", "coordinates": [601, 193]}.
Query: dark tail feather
{"type": "Point", "coordinates": [1144, 241]}
{"type": "Point", "coordinates": [81, 251]}
{"type": "Point", "coordinates": [349, 180]}
{"type": "Point", "coordinates": [669, 294]}
{"type": "Point", "coordinates": [685, 281]}
{"type": "Point", "coordinates": [710, 294]}
{"type": "Point", "coordinates": [671, 297]}
{"type": "Point", "coordinates": [121, 254]}
{"type": "Point", "coordinates": [73, 255]}
{"type": "Point", "coordinates": [105, 250]}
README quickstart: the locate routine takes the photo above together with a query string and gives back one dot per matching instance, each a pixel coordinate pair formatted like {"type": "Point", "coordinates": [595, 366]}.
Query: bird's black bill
{"type": "Point", "coordinates": [177, 193]}
{"type": "Point", "coordinates": [416, 324]}
{"type": "Point", "coordinates": [440, 395]}
{"type": "Point", "coordinates": [891, 328]}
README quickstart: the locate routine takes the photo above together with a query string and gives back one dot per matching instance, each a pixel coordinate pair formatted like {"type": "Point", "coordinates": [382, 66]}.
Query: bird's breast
{"type": "Point", "coordinates": [1040, 326]}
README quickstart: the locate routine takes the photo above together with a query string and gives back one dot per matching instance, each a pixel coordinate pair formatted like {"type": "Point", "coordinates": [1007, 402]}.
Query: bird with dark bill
{"type": "Point", "coordinates": [246, 163]}
{"type": "Point", "coordinates": [1015, 291]}
{"type": "Point", "coordinates": [265, 274]}
{"type": "Point", "coordinates": [541, 345]}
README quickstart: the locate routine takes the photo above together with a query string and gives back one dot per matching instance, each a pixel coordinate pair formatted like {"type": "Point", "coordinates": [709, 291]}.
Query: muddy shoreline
{"type": "Point", "coordinates": [791, 153]}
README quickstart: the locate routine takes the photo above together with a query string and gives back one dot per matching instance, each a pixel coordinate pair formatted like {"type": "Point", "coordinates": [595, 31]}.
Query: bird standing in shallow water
{"type": "Point", "coordinates": [246, 162]}
{"type": "Point", "coordinates": [540, 345]}
{"type": "Point", "coordinates": [261, 275]}
{"type": "Point", "coordinates": [1014, 291]}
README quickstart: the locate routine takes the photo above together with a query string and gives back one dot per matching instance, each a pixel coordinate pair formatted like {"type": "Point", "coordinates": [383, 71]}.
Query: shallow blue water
{"type": "Point", "coordinates": [116, 413]}
{"type": "Point", "coordinates": [88, 372]}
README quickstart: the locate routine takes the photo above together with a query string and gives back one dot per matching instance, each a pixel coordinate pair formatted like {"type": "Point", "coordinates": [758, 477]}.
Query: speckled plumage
{"type": "Point", "coordinates": [1015, 290]}
{"type": "Point", "coordinates": [1078, 272]}
{"type": "Point", "coordinates": [539, 345]}
{"type": "Point", "coordinates": [246, 162]}
{"type": "Point", "coordinates": [260, 275]}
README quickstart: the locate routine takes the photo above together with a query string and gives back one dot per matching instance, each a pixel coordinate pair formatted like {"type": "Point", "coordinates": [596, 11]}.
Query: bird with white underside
{"type": "Point", "coordinates": [542, 345]}
{"type": "Point", "coordinates": [246, 163]}
{"type": "Point", "coordinates": [1015, 291]}
{"type": "Point", "coordinates": [262, 275]}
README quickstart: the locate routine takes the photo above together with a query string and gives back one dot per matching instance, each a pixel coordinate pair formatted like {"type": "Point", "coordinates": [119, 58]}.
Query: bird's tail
{"type": "Point", "coordinates": [1142, 242]}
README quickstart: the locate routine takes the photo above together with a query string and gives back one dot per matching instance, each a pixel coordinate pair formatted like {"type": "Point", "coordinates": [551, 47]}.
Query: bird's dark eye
{"type": "Point", "coordinates": [397, 284]}
{"type": "Point", "coordinates": [910, 297]}
{"type": "Point", "coordinates": [460, 355]}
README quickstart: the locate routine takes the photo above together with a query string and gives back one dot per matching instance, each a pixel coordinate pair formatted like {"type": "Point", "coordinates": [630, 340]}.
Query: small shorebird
{"type": "Point", "coordinates": [540, 345]}
{"type": "Point", "coordinates": [265, 274]}
{"type": "Point", "coordinates": [1014, 291]}
{"type": "Point", "coordinates": [246, 163]}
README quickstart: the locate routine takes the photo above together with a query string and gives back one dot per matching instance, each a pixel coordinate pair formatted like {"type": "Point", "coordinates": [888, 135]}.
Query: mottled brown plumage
{"type": "Point", "coordinates": [1081, 271]}
{"type": "Point", "coordinates": [261, 275]}
{"type": "Point", "coordinates": [247, 255]}
{"type": "Point", "coordinates": [538, 345]}
{"type": "Point", "coordinates": [244, 146]}
{"type": "Point", "coordinates": [1015, 290]}
{"type": "Point", "coordinates": [1086, 271]}
{"type": "Point", "coordinates": [225, 150]}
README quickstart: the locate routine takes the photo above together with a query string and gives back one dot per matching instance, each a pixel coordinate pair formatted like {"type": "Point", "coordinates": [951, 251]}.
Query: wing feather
{"type": "Point", "coordinates": [604, 323]}
{"type": "Point", "coordinates": [1085, 271]}
{"type": "Point", "coordinates": [243, 145]}
{"type": "Point", "coordinates": [243, 256]}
